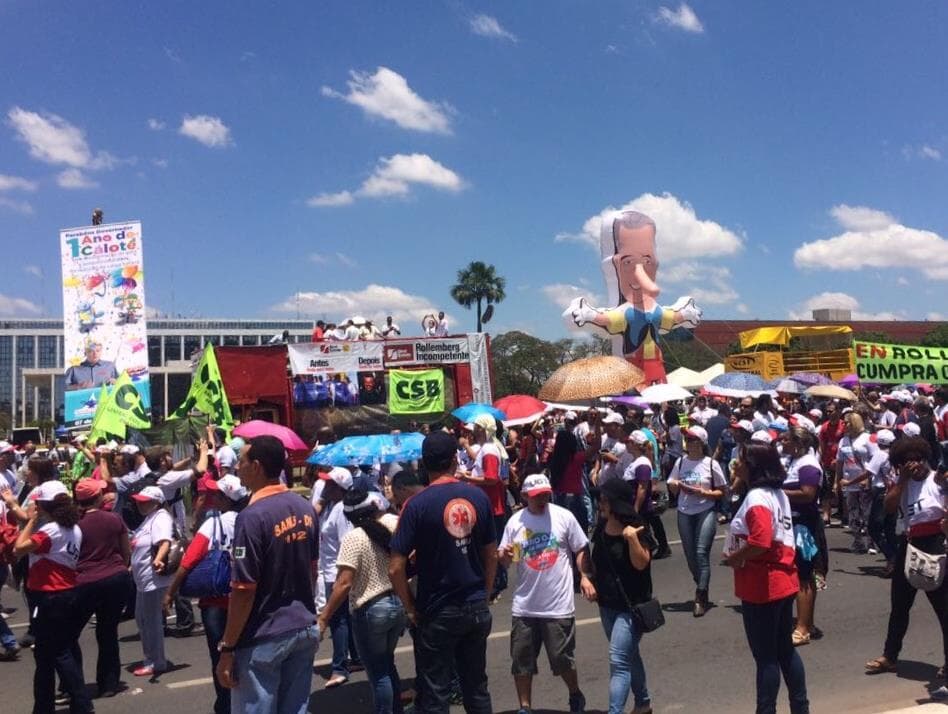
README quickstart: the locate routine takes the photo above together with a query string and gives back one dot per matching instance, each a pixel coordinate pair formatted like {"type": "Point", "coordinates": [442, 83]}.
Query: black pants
{"type": "Point", "coordinates": [903, 596]}
{"type": "Point", "coordinates": [106, 600]}
{"type": "Point", "coordinates": [184, 614]}
{"type": "Point", "coordinates": [453, 639]}
{"type": "Point", "coordinates": [214, 619]}
{"type": "Point", "coordinates": [882, 525]}
{"type": "Point", "coordinates": [658, 528]}
{"type": "Point", "coordinates": [57, 629]}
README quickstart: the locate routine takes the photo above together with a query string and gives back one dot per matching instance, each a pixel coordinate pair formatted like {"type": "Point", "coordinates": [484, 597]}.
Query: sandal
{"type": "Point", "coordinates": [880, 665]}
{"type": "Point", "coordinates": [800, 639]}
{"type": "Point", "coordinates": [336, 681]}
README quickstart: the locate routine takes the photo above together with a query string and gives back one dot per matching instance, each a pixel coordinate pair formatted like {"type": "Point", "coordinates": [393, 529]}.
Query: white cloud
{"type": "Point", "coordinates": [160, 163]}
{"type": "Point", "coordinates": [840, 301]}
{"type": "Point", "coordinates": [33, 270]}
{"type": "Point", "coordinates": [15, 183]}
{"type": "Point", "coordinates": [373, 302]}
{"type": "Point", "coordinates": [929, 152]}
{"type": "Point", "coordinates": [318, 258]}
{"type": "Point", "coordinates": [487, 26]}
{"type": "Point", "coordinates": [340, 258]}
{"type": "Point", "coordinates": [155, 124]}
{"type": "Point", "coordinates": [935, 317]}
{"type": "Point", "coordinates": [707, 284]}
{"type": "Point", "coordinates": [53, 140]}
{"type": "Point", "coordinates": [346, 260]}
{"type": "Point", "coordinates": [562, 294]}
{"type": "Point", "coordinates": [684, 18]}
{"type": "Point", "coordinates": [208, 130]}
{"type": "Point", "coordinates": [902, 281]}
{"type": "Point", "coordinates": [742, 308]}
{"type": "Point", "coordinates": [874, 239]}
{"type": "Point", "coordinates": [16, 206]}
{"type": "Point", "coordinates": [386, 94]}
{"type": "Point", "coordinates": [681, 234]}
{"type": "Point", "coordinates": [395, 176]}
{"type": "Point", "coordinates": [74, 178]}
{"type": "Point", "coordinates": [17, 307]}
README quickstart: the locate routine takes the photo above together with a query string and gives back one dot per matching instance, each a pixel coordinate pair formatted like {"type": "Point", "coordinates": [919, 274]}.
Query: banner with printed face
{"type": "Point", "coordinates": [326, 358]}
{"type": "Point", "coordinates": [900, 364]}
{"type": "Point", "coordinates": [103, 314]}
{"type": "Point", "coordinates": [418, 391]}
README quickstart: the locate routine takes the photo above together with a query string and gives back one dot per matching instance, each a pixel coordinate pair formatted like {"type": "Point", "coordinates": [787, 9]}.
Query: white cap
{"type": "Point", "coordinates": [48, 490]}
{"type": "Point", "coordinates": [571, 415]}
{"type": "Point", "coordinates": [613, 418]}
{"type": "Point", "coordinates": [113, 445]}
{"type": "Point", "coordinates": [535, 484]}
{"type": "Point", "coordinates": [744, 425]}
{"type": "Point", "coordinates": [805, 422]}
{"type": "Point", "coordinates": [911, 429]}
{"type": "Point", "coordinates": [762, 436]}
{"type": "Point", "coordinates": [80, 438]}
{"type": "Point", "coordinates": [338, 475]}
{"type": "Point", "coordinates": [150, 493]}
{"type": "Point", "coordinates": [815, 413]}
{"type": "Point", "coordinates": [230, 486]}
{"type": "Point", "coordinates": [129, 449]}
{"type": "Point", "coordinates": [699, 432]}
{"type": "Point", "coordinates": [884, 437]}
{"type": "Point", "coordinates": [103, 449]}
{"type": "Point", "coordinates": [638, 436]}
{"type": "Point", "coordinates": [903, 395]}
{"type": "Point", "coordinates": [6, 447]}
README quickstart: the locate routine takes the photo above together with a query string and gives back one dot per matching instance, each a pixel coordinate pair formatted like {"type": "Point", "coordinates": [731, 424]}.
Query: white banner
{"type": "Point", "coordinates": [326, 357]}
{"type": "Point", "coordinates": [480, 368]}
{"type": "Point", "coordinates": [103, 313]}
{"type": "Point", "coordinates": [428, 351]}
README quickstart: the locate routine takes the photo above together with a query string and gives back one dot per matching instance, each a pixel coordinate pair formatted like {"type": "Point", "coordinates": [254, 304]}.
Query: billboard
{"type": "Point", "coordinates": [103, 314]}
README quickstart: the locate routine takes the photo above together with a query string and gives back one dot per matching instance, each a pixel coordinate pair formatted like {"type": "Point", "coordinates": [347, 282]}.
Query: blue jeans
{"type": "Point", "coordinates": [575, 503]}
{"type": "Point", "coordinates": [697, 537]}
{"type": "Point", "coordinates": [626, 669]}
{"type": "Point", "coordinates": [376, 628]}
{"type": "Point", "coordinates": [7, 638]}
{"type": "Point", "coordinates": [340, 630]}
{"type": "Point", "coordinates": [274, 676]}
{"type": "Point", "coordinates": [214, 619]}
{"type": "Point", "coordinates": [769, 629]}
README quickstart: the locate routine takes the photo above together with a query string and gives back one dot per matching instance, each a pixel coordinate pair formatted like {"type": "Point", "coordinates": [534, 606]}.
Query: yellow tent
{"type": "Point", "coordinates": [781, 335]}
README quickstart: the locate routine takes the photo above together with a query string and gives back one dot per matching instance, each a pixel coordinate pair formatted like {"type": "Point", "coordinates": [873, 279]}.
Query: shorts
{"type": "Point", "coordinates": [558, 635]}
{"type": "Point", "coordinates": [829, 484]}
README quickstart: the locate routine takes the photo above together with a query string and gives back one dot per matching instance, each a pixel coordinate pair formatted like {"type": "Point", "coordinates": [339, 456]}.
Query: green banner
{"type": "Point", "coordinates": [207, 393]}
{"type": "Point", "coordinates": [119, 408]}
{"type": "Point", "coordinates": [900, 364]}
{"type": "Point", "coordinates": [415, 391]}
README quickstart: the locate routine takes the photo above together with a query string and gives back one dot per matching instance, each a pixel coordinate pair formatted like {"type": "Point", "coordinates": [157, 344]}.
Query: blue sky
{"type": "Point", "coordinates": [347, 157]}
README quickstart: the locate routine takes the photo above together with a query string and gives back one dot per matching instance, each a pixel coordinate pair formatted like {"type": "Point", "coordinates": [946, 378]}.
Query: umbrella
{"type": "Point", "coordinates": [661, 393]}
{"type": "Point", "coordinates": [788, 386]}
{"type": "Point", "coordinates": [591, 377]}
{"type": "Point", "coordinates": [257, 427]}
{"type": "Point", "coordinates": [470, 411]}
{"type": "Point", "coordinates": [356, 450]}
{"type": "Point", "coordinates": [810, 378]}
{"type": "Point", "coordinates": [739, 380]}
{"type": "Point", "coordinates": [630, 401]}
{"type": "Point", "coordinates": [520, 409]}
{"type": "Point", "coordinates": [831, 391]}
{"type": "Point", "coordinates": [850, 380]}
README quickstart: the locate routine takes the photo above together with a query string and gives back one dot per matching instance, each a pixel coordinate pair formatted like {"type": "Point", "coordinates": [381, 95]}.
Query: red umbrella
{"type": "Point", "coordinates": [520, 408]}
{"type": "Point", "coordinates": [257, 427]}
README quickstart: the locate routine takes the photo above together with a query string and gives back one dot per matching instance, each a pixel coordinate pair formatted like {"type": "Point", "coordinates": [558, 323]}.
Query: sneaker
{"type": "Point", "coordinates": [873, 551]}
{"type": "Point", "coordinates": [10, 654]}
{"type": "Point", "coordinates": [144, 671]}
{"type": "Point", "coordinates": [577, 702]}
{"type": "Point", "coordinates": [62, 699]}
{"type": "Point", "coordinates": [662, 553]}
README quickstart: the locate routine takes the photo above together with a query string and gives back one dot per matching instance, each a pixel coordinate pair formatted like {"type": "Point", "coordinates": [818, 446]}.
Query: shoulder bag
{"type": "Point", "coordinates": [648, 616]}
{"type": "Point", "coordinates": [211, 576]}
{"type": "Point", "coordinates": [924, 571]}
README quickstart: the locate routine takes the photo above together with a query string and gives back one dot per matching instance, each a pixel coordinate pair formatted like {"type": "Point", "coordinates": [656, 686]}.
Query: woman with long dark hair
{"type": "Point", "coordinates": [377, 614]}
{"type": "Point", "coordinates": [761, 549]}
{"type": "Point", "coordinates": [52, 539]}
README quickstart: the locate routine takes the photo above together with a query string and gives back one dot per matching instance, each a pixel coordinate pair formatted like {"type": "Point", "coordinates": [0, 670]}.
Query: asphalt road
{"type": "Point", "coordinates": [693, 665]}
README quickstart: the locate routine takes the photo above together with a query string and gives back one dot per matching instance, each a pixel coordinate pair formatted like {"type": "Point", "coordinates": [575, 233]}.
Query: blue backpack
{"type": "Point", "coordinates": [211, 576]}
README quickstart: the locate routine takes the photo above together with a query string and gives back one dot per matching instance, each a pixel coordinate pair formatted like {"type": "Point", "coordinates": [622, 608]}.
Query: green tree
{"type": "Point", "coordinates": [937, 337]}
{"type": "Point", "coordinates": [475, 284]}
{"type": "Point", "coordinates": [522, 362]}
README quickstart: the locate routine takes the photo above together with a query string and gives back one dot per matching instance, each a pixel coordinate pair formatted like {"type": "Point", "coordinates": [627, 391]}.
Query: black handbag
{"type": "Point", "coordinates": [648, 616]}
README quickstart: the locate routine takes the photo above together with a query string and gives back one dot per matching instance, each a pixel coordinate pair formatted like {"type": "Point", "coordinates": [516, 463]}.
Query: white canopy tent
{"type": "Point", "coordinates": [687, 378]}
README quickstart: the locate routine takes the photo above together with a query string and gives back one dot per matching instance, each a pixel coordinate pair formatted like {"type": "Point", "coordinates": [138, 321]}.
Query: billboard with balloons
{"type": "Point", "coordinates": [632, 314]}
{"type": "Point", "coordinates": [103, 314]}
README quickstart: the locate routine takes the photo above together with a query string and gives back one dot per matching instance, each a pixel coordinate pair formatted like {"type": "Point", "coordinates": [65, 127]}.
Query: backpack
{"type": "Point", "coordinates": [129, 513]}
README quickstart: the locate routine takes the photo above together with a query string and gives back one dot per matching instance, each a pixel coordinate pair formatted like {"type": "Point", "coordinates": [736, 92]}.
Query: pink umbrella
{"type": "Point", "coordinates": [257, 427]}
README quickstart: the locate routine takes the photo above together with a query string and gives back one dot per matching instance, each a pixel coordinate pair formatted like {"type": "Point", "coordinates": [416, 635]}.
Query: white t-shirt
{"type": "Point", "coordinates": [762, 420]}
{"type": "Point", "coordinates": [855, 455]}
{"type": "Point", "coordinates": [885, 420]}
{"type": "Point", "coordinates": [705, 473]}
{"type": "Point", "coordinates": [442, 330]}
{"type": "Point", "coordinates": [880, 468]}
{"type": "Point", "coordinates": [488, 448]}
{"type": "Point", "coordinates": [702, 415]}
{"type": "Point", "coordinates": [922, 502]}
{"type": "Point", "coordinates": [628, 474]}
{"type": "Point", "coordinates": [542, 546]}
{"type": "Point", "coordinates": [608, 469]}
{"type": "Point", "coordinates": [220, 527]}
{"type": "Point", "coordinates": [332, 529]}
{"type": "Point", "coordinates": [157, 527]}
{"type": "Point", "coordinates": [352, 333]}
{"type": "Point", "coordinates": [392, 330]}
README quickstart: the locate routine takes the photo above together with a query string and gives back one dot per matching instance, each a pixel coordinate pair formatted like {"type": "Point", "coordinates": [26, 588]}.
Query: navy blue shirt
{"type": "Point", "coordinates": [446, 525]}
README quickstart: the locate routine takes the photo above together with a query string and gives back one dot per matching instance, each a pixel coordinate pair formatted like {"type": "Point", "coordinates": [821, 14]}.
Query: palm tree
{"type": "Point", "coordinates": [476, 283]}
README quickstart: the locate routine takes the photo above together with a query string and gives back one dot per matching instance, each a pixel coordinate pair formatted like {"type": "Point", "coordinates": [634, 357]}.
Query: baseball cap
{"type": "Point", "coordinates": [338, 475]}
{"type": "Point", "coordinates": [698, 432]}
{"type": "Point", "coordinates": [911, 429]}
{"type": "Point", "coordinates": [80, 438]}
{"type": "Point", "coordinates": [762, 436]}
{"type": "Point", "coordinates": [571, 416]}
{"type": "Point", "coordinates": [815, 414]}
{"type": "Point", "coordinates": [743, 425]}
{"type": "Point", "coordinates": [535, 484]}
{"type": "Point", "coordinates": [89, 488]}
{"type": "Point", "coordinates": [804, 422]}
{"type": "Point", "coordinates": [885, 437]}
{"type": "Point", "coordinates": [638, 436]}
{"type": "Point", "coordinates": [48, 490]}
{"type": "Point", "coordinates": [438, 449]}
{"type": "Point", "coordinates": [129, 449]}
{"type": "Point", "coordinates": [229, 485]}
{"type": "Point", "coordinates": [149, 493]}
{"type": "Point", "coordinates": [779, 424]}
{"type": "Point", "coordinates": [613, 418]}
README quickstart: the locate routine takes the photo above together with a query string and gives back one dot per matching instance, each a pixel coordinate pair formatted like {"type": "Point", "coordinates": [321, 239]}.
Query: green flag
{"type": "Point", "coordinates": [415, 391]}
{"type": "Point", "coordinates": [207, 393]}
{"type": "Point", "coordinates": [119, 408]}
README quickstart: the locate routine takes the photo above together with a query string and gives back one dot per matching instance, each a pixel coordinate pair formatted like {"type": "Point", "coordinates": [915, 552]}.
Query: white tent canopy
{"type": "Point", "coordinates": [687, 378]}
{"type": "Point", "coordinates": [711, 372]}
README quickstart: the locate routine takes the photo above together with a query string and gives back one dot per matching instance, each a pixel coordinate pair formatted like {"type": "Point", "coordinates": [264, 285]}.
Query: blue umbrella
{"type": "Point", "coordinates": [740, 380]}
{"type": "Point", "coordinates": [810, 379]}
{"type": "Point", "coordinates": [356, 450]}
{"type": "Point", "coordinates": [470, 411]}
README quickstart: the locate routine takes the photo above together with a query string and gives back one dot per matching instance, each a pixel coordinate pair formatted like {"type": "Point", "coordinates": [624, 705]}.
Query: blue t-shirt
{"type": "Point", "coordinates": [275, 546]}
{"type": "Point", "coordinates": [446, 525]}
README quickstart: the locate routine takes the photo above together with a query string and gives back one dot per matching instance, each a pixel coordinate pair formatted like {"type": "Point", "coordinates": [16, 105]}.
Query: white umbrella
{"type": "Point", "coordinates": [661, 393]}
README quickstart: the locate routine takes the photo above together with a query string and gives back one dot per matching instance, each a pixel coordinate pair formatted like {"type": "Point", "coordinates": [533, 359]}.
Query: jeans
{"type": "Point", "coordinates": [7, 638]}
{"type": "Point", "coordinates": [626, 669]}
{"type": "Point", "coordinates": [151, 626]}
{"type": "Point", "coordinates": [882, 526]}
{"type": "Point", "coordinates": [575, 503]}
{"type": "Point", "coordinates": [376, 628]}
{"type": "Point", "coordinates": [903, 597]}
{"type": "Point", "coordinates": [769, 629]}
{"type": "Point", "coordinates": [340, 629]}
{"type": "Point", "coordinates": [274, 676]}
{"type": "Point", "coordinates": [57, 629]}
{"type": "Point", "coordinates": [214, 619]}
{"type": "Point", "coordinates": [184, 614]}
{"type": "Point", "coordinates": [654, 521]}
{"type": "Point", "coordinates": [453, 639]}
{"type": "Point", "coordinates": [697, 537]}
{"type": "Point", "coordinates": [106, 600]}
{"type": "Point", "coordinates": [500, 576]}
{"type": "Point", "coordinates": [858, 504]}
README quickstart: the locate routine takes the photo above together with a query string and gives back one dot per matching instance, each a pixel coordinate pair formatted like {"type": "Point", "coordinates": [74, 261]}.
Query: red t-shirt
{"type": "Point", "coordinates": [317, 334]}
{"type": "Point", "coordinates": [829, 442]}
{"type": "Point", "coordinates": [487, 466]}
{"type": "Point", "coordinates": [764, 520]}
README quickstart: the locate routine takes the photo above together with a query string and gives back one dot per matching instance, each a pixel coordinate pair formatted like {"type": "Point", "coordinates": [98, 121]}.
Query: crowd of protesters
{"type": "Point", "coordinates": [569, 505]}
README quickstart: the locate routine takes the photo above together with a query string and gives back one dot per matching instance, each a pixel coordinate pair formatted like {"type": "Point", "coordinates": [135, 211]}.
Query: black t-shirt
{"type": "Point", "coordinates": [610, 557]}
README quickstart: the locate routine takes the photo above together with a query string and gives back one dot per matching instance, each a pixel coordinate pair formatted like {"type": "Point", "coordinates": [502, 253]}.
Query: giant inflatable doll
{"type": "Point", "coordinates": [629, 266]}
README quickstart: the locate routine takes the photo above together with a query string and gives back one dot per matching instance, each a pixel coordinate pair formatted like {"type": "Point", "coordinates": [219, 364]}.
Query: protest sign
{"type": "Point", "coordinates": [416, 391]}
{"type": "Point", "coordinates": [900, 364]}
{"type": "Point", "coordinates": [322, 358]}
